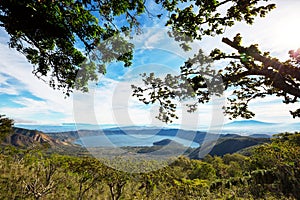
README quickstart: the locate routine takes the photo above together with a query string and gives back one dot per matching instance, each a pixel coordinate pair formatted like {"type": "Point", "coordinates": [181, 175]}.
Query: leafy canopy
{"type": "Point", "coordinates": [68, 42]}
{"type": "Point", "coordinates": [58, 37]}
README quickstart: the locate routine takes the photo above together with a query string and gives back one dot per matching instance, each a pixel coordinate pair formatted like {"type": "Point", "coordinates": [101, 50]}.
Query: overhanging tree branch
{"type": "Point", "coordinates": [267, 62]}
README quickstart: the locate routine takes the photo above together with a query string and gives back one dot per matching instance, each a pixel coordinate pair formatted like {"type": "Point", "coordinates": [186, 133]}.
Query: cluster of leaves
{"type": "Point", "coordinates": [271, 172]}
{"type": "Point", "coordinates": [193, 82]}
{"type": "Point", "coordinates": [6, 126]}
{"type": "Point", "coordinates": [191, 20]}
{"type": "Point", "coordinates": [50, 34]}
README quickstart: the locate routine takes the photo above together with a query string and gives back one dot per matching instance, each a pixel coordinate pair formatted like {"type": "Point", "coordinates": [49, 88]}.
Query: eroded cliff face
{"type": "Point", "coordinates": [24, 137]}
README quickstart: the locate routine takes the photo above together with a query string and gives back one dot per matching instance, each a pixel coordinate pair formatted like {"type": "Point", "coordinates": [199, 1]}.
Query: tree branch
{"type": "Point", "coordinates": [282, 68]}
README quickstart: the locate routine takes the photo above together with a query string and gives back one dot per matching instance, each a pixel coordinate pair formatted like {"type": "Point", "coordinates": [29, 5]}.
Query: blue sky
{"type": "Point", "coordinates": [28, 100]}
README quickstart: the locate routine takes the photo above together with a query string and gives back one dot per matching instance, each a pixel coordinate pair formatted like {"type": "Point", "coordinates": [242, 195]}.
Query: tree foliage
{"type": "Point", "coordinates": [6, 126]}
{"type": "Point", "coordinates": [195, 19]}
{"type": "Point", "coordinates": [59, 37]}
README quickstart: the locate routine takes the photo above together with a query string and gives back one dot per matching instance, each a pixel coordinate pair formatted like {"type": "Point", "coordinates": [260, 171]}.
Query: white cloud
{"type": "Point", "coordinates": [16, 66]}
{"type": "Point", "coordinates": [3, 79]}
{"type": "Point", "coordinates": [9, 90]}
{"type": "Point", "coordinates": [271, 109]}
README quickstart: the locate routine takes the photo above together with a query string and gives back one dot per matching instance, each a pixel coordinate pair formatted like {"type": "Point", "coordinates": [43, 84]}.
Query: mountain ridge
{"type": "Point", "coordinates": [24, 138]}
{"type": "Point", "coordinates": [250, 122]}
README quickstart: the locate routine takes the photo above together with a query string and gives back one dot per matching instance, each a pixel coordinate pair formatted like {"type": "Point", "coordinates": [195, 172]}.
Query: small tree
{"type": "Point", "coordinates": [6, 126]}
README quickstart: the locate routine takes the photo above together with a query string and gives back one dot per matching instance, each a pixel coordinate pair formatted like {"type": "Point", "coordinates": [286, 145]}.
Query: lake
{"type": "Point", "coordinates": [129, 140]}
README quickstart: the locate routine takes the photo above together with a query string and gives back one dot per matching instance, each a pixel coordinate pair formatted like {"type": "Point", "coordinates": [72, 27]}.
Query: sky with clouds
{"type": "Point", "coordinates": [29, 100]}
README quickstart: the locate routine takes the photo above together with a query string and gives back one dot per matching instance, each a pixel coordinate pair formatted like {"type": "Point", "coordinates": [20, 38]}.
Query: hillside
{"type": "Point", "coordinates": [26, 138]}
{"type": "Point", "coordinates": [228, 145]}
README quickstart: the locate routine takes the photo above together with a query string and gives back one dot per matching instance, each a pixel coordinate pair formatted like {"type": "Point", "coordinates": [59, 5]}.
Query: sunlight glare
{"type": "Point", "coordinates": [286, 32]}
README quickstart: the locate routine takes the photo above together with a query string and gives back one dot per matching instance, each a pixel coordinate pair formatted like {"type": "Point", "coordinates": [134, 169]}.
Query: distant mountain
{"type": "Point", "coordinates": [229, 135]}
{"type": "Point", "coordinates": [71, 136]}
{"type": "Point", "coordinates": [260, 136]}
{"type": "Point", "coordinates": [253, 127]}
{"type": "Point", "coordinates": [249, 123]}
{"type": "Point", "coordinates": [25, 138]}
{"type": "Point", "coordinates": [241, 127]}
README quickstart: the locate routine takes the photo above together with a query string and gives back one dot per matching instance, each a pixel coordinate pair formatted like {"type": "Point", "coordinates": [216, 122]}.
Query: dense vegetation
{"type": "Point", "coordinates": [271, 172]}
